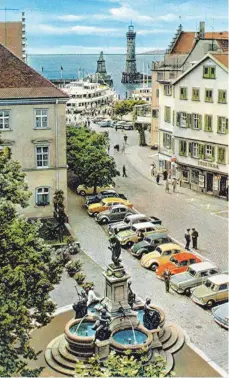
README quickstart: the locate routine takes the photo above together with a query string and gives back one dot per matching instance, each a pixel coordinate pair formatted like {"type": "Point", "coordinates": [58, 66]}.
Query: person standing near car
{"type": "Point", "coordinates": [194, 238]}
{"type": "Point", "coordinates": [167, 276]}
{"type": "Point", "coordinates": [124, 171]}
{"type": "Point", "coordinates": [125, 138]}
{"type": "Point", "coordinates": [187, 238]}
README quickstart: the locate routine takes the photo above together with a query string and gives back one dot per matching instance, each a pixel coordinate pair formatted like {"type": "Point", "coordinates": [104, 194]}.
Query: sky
{"type": "Point", "coordinates": [89, 26]}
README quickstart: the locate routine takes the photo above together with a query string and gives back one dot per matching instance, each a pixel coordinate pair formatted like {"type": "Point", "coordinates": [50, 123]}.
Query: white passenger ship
{"type": "Point", "coordinates": [87, 99]}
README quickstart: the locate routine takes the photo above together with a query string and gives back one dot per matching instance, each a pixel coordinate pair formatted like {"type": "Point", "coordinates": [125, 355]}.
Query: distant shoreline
{"type": "Point", "coordinates": [96, 54]}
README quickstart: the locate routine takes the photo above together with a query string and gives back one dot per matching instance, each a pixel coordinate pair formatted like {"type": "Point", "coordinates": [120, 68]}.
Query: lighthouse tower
{"type": "Point", "coordinates": [101, 67]}
{"type": "Point", "coordinates": [130, 75]}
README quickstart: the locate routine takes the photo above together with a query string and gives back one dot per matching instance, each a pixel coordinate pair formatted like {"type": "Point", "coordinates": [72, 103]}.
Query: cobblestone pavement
{"type": "Point", "coordinates": [197, 322]}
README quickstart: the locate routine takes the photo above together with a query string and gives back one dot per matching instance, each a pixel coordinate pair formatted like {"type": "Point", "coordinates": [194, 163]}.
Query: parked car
{"type": "Point", "coordinates": [82, 190]}
{"type": "Point", "coordinates": [195, 275]}
{"type": "Point", "coordinates": [133, 219]}
{"type": "Point", "coordinates": [128, 126]}
{"type": "Point", "coordinates": [114, 214]}
{"type": "Point", "coordinates": [128, 237]}
{"type": "Point", "coordinates": [120, 124]}
{"type": "Point", "coordinates": [221, 315]}
{"type": "Point", "coordinates": [178, 263]}
{"type": "Point", "coordinates": [102, 195]}
{"type": "Point", "coordinates": [105, 204]}
{"type": "Point", "coordinates": [105, 123]}
{"type": "Point", "coordinates": [160, 255]}
{"type": "Point", "coordinates": [213, 291]}
{"type": "Point", "coordinates": [148, 244]}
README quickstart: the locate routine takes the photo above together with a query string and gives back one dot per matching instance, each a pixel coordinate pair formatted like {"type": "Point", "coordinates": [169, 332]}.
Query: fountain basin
{"type": "Point", "coordinates": [81, 341]}
{"type": "Point", "coordinates": [120, 340]}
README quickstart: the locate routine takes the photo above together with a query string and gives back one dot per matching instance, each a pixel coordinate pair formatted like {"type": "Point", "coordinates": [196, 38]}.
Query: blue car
{"type": "Point", "coordinates": [221, 315]}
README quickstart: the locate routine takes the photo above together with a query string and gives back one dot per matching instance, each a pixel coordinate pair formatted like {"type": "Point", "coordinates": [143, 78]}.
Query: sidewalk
{"type": "Point", "coordinates": [141, 158]}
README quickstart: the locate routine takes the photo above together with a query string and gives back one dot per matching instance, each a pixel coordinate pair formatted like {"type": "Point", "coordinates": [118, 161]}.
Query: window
{"type": "Point", "coordinates": [42, 156]}
{"type": "Point", "coordinates": [183, 93]}
{"type": "Point", "coordinates": [195, 177]}
{"type": "Point", "coordinates": [167, 114]}
{"type": "Point", "coordinates": [221, 155]}
{"type": "Point", "coordinates": [41, 118]}
{"type": "Point", "coordinates": [209, 152]}
{"type": "Point", "coordinates": [223, 287]}
{"type": "Point", "coordinates": [182, 148]}
{"type": "Point", "coordinates": [183, 119]}
{"type": "Point", "coordinates": [207, 122]}
{"type": "Point", "coordinates": [195, 150]}
{"type": "Point", "coordinates": [159, 75]}
{"type": "Point", "coordinates": [167, 90]}
{"type": "Point", "coordinates": [222, 125]}
{"type": "Point", "coordinates": [208, 95]}
{"type": "Point", "coordinates": [195, 94]}
{"type": "Point", "coordinates": [167, 140]}
{"type": "Point", "coordinates": [209, 72]}
{"type": "Point", "coordinates": [196, 121]}
{"type": "Point", "coordinates": [157, 92]}
{"type": "Point", "coordinates": [42, 196]}
{"type": "Point", "coordinates": [222, 96]}
{"type": "Point", "coordinates": [171, 75]}
{"type": "Point", "coordinates": [185, 175]}
{"type": "Point", "coordinates": [4, 120]}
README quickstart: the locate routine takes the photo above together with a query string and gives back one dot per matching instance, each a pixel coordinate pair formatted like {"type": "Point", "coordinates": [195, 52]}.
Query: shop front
{"type": "Point", "coordinates": [204, 180]}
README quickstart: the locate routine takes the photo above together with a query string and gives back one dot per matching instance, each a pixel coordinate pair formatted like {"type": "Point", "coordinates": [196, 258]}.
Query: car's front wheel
{"type": "Point", "coordinates": [103, 221]}
{"type": "Point", "coordinates": [210, 303]}
{"type": "Point", "coordinates": [187, 291]}
{"type": "Point", "coordinates": [82, 193]}
{"type": "Point", "coordinates": [94, 214]}
{"type": "Point", "coordinates": [129, 244]}
{"type": "Point", "coordinates": [153, 267]}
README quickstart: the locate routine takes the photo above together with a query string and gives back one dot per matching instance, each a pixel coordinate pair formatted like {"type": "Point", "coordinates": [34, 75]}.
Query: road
{"type": "Point", "coordinates": [177, 211]}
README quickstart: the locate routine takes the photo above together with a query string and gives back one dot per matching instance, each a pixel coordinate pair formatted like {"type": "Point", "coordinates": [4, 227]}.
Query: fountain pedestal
{"type": "Point", "coordinates": [102, 348]}
{"type": "Point", "coordinates": [116, 289]}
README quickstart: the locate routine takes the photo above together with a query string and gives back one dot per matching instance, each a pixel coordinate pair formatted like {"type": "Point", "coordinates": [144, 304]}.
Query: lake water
{"type": "Point", "coordinates": [74, 66]}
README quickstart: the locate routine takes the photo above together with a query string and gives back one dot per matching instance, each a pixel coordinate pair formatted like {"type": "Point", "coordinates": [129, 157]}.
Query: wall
{"type": "Point", "coordinates": [11, 37]}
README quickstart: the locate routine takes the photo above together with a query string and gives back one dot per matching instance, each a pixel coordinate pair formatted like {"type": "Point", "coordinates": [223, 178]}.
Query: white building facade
{"type": "Point", "coordinates": [193, 132]}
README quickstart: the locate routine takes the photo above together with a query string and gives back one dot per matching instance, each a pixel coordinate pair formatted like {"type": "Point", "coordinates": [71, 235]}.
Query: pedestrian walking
{"type": "Point", "coordinates": [125, 138]}
{"type": "Point", "coordinates": [116, 127]}
{"type": "Point", "coordinates": [158, 179]}
{"type": "Point", "coordinates": [165, 175]}
{"type": "Point", "coordinates": [174, 184]}
{"type": "Point", "coordinates": [123, 148]}
{"type": "Point", "coordinates": [194, 238]}
{"type": "Point", "coordinates": [124, 171]}
{"type": "Point", "coordinates": [152, 168]}
{"type": "Point", "coordinates": [167, 186]}
{"type": "Point", "coordinates": [116, 147]}
{"type": "Point", "coordinates": [108, 149]}
{"type": "Point", "coordinates": [167, 276]}
{"type": "Point", "coordinates": [187, 238]}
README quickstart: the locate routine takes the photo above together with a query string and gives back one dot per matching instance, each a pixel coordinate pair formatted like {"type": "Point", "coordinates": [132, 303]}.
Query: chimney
{"type": "Point", "coordinates": [201, 30]}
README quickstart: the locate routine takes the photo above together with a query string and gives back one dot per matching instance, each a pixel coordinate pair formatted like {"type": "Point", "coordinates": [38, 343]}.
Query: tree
{"type": "Point", "coordinates": [126, 106]}
{"type": "Point", "coordinates": [87, 157]}
{"type": "Point", "coordinates": [59, 212]}
{"type": "Point", "coordinates": [28, 271]}
{"type": "Point", "coordinates": [121, 366]}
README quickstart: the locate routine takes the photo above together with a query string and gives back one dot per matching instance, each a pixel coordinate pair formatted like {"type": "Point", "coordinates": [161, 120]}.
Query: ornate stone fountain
{"type": "Point", "coordinates": [119, 322]}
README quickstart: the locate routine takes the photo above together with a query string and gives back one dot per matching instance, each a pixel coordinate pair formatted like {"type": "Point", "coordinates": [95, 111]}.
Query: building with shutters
{"type": "Point", "coordinates": [193, 132]}
{"type": "Point", "coordinates": [33, 127]}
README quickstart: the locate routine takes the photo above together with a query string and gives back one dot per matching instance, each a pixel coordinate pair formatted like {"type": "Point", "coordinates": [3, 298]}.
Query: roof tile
{"type": "Point", "coordinates": [18, 80]}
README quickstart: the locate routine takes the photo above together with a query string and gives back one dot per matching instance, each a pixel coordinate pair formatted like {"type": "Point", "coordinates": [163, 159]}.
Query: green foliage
{"type": "Point", "coordinates": [73, 267]}
{"type": "Point", "coordinates": [122, 366]}
{"type": "Point", "coordinates": [88, 285]}
{"type": "Point", "coordinates": [79, 277]}
{"type": "Point", "coordinates": [126, 106]}
{"type": "Point", "coordinates": [87, 157]}
{"type": "Point", "coordinates": [59, 213]}
{"type": "Point", "coordinates": [142, 137]}
{"type": "Point", "coordinates": [28, 271]}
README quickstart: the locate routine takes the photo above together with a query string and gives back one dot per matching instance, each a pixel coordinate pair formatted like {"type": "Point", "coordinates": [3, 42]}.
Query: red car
{"type": "Point", "coordinates": [178, 263]}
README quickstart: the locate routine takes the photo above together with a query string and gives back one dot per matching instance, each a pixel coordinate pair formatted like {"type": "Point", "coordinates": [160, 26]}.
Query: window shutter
{"type": "Point", "coordinates": [213, 153]}
{"type": "Point", "coordinates": [192, 121]}
{"type": "Point", "coordinates": [180, 147]}
{"type": "Point", "coordinates": [172, 144]}
{"type": "Point", "coordinates": [200, 121]}
{"type": "Point", "coordinates": [199, 151]}
{"type": "Point", "coordinates": [202, 151]}
{"type": "Point", "coordinates": [205, 122]}
{"type": "Point", "coordinates": [218, 124]}
{"type": "Point", "coordinates": [185, 93]}
{"type": "Point", "coordinates": [188, 120]}
{"type": "Point", "coordinates": [226, 129]}
{"type": "Point", "coordinates": [173, 117]}
{"type": "Point", "coordinates": [219, 95]}
{"type": "Point", "coordinates": [185, 148]}
{"type": "Point", "coordinates": [190, 149]}
{"type": "Point", "coordinates": [178, 119]}
{"type": "Point", "coordinates": [164, 139]}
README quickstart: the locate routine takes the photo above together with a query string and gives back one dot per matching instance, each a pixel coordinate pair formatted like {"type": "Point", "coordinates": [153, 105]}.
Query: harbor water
{"type": "Point", "coordinates": [80, 65]}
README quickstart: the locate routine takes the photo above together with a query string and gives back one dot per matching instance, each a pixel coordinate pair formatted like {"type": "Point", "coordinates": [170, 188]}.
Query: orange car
{"type": "Point", "coordinates": [178, 263]}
